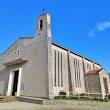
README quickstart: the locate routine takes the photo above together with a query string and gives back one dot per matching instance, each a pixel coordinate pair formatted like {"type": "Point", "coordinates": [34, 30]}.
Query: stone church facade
{"type": "Point", "coordinates": [38, 67]}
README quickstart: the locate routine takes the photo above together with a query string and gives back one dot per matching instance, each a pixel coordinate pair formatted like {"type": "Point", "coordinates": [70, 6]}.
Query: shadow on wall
{"type": "Point", "coordinates": [4, 77]}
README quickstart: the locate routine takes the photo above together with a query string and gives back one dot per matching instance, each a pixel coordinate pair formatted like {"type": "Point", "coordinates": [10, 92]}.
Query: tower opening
{"type": "Point", "coordinates": [41, 24]}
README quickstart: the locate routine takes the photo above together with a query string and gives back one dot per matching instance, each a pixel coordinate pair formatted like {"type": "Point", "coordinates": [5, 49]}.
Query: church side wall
{"type": "Point", "coordinates": [65, 86]}
{"type": "Point", "coordinates": [77, 73]}
{"type": "Point", "coordinates": [102, 75]}
{"type": "Point", "coordinates": [74, 69]}
{"type": "Point", "coordinates": [88, 65]}
{"type": "Point", "coordinates": [97, 67]}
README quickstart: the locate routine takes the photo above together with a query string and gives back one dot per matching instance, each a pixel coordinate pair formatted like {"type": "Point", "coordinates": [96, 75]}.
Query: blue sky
{"type": "Point", "coordinates": [82, 26]}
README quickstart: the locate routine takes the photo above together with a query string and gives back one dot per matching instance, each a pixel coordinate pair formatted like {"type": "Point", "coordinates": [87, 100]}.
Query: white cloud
{"type": "Point", "coordinates": [99, 28]}
{"type": "Point", "coordinates": [91, 33]}
{"type": "Point", "coordinates": [103, 25]}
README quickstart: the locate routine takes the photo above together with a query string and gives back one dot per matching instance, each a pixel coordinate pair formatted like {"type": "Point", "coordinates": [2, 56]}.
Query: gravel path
{"type": "Point", "coordinates": [27, 106]}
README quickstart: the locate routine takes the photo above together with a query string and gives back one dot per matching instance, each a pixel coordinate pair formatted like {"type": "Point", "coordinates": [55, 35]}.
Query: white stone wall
{"type": "Point", "coordinates": [36, 73]}
{"type": "Point", "coordinates": [32, 72]}
{"type": "Point", "coordinates": [93, 83]}
{"type": "Point", "coordinates": [97, 66]}
{"type": "Point", "coordinates": [77, 89]}
{"type": "Point", "coordinates": [4, 71]}
{"type": "Point", "coordinates": [82, 69]}
{"type": "Point", "coordinates": [103, 74]}
{"type": "Point", "coordinates": [65, 87]}
{"type": "Point", "coordinates": [86, 63]}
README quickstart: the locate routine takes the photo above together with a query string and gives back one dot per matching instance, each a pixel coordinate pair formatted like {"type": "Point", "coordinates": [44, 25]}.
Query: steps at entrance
{"type": "Point", "coordinates": [31, 100]}
{"type": "Point", "coordinates": [4, 99]}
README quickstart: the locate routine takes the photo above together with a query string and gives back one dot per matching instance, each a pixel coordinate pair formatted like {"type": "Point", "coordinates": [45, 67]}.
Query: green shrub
{"type": "Point", "coordinates": [82, 94]}
{"type": "Point", "coordinates": [101, 99]}
{"type": "Point", "coordinates": [56, 97]}
{"type": "Point", "coordinates": [81, 98]}
{"type": "Point", "coordinates": [95, 99]}
{"type": "Point", "coordinates": [60, 97]}
{"type": "Point", "coordinates": [105, 100]}
{"type": "Point", "coordinates": [75, 98]}
{"type": "Point", "coordinates": [62, 93]}
{"type": "Point", "coordinates": [84, 98]}
{"type": "Point", "coordinates": [0, 94]}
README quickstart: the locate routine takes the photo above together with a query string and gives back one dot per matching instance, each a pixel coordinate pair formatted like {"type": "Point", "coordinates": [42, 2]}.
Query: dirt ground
{"type": "Point", "coordinates": [30, 106]}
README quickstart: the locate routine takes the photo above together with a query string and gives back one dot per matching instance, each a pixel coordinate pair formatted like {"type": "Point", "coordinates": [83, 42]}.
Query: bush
{"type": "Point", "coordinates": [0, 94]}
{"type": "Point", "coordinates": [95, 99]}
{"type": "Point", "coordinates": [60, 97]}
{"type": "Point", "coordinates": [82, 94]}
{"type": "Point", "coordinates": [56, 97]}
{"type": "Point", "coordinates": [62, 93]}
{"type": "Point", "coordinates": [75, 98]}
{"type": "Point", "coordinates": [105, 100]}
{"type": "Point", "coordinates": [84, 98]}
{"type": "Point", "coordinates": [81, 98]}
{"type": "Point", "coordinates": [101, 99]}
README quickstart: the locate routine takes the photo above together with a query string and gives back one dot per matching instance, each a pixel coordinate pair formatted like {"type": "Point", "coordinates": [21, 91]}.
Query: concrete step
{"type": "Point", "coordinates": [56, 102]}
{"type": "Point", "coordinates": [31, 100]}
{"type": "Point", "coordinates": [4, 99]}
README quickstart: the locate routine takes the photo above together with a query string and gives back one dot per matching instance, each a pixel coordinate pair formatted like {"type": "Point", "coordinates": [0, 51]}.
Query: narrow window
{"type": "Point", "coordinates": [79, 74]}
{"type": "Point", "coordinates": [55, 67]}
{"type": "Point", "coordinates": [75, 72]}
{"type": "Point", "coordinates": [61, 72]}
{"type": "Point", "coordinates": [41, 24]}
{"type": "Point", "coordinates": [58, 71]}
{"type": "Point", "coordinates": [88, 66]}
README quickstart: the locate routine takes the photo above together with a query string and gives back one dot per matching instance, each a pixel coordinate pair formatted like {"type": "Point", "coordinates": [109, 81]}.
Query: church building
{"type": "Point", "coordinates": [37, 67]}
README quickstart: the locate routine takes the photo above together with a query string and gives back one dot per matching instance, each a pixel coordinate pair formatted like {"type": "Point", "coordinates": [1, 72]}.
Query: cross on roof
{"type": "Point", "coordinates": [43, 10]}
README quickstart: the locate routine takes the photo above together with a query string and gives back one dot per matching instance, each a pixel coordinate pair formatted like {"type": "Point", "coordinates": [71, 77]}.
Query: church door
{"type": "Point", "coordinates": [15, 83]}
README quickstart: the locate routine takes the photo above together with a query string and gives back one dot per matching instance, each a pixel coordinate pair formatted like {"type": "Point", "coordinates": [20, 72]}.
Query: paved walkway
{"type": "Point", "coordinates": [25, 106]}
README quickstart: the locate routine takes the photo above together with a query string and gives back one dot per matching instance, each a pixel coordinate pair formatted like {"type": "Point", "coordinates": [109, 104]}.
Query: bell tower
{"type": "Point", "coordinates": [43, 27]}
{"type": "Point", "coordinates": [43, 39]}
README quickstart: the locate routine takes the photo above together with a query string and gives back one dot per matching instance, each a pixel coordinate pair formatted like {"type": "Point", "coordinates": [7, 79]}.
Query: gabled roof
{"type": "Point", "coordinates": [17, 40]}
{"type": "Point", "coordinates": [55, 45]}
{"type": "Point", "coordinates": [93, 71]}
{"type": "Point", "coordinates": [74, 53]}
